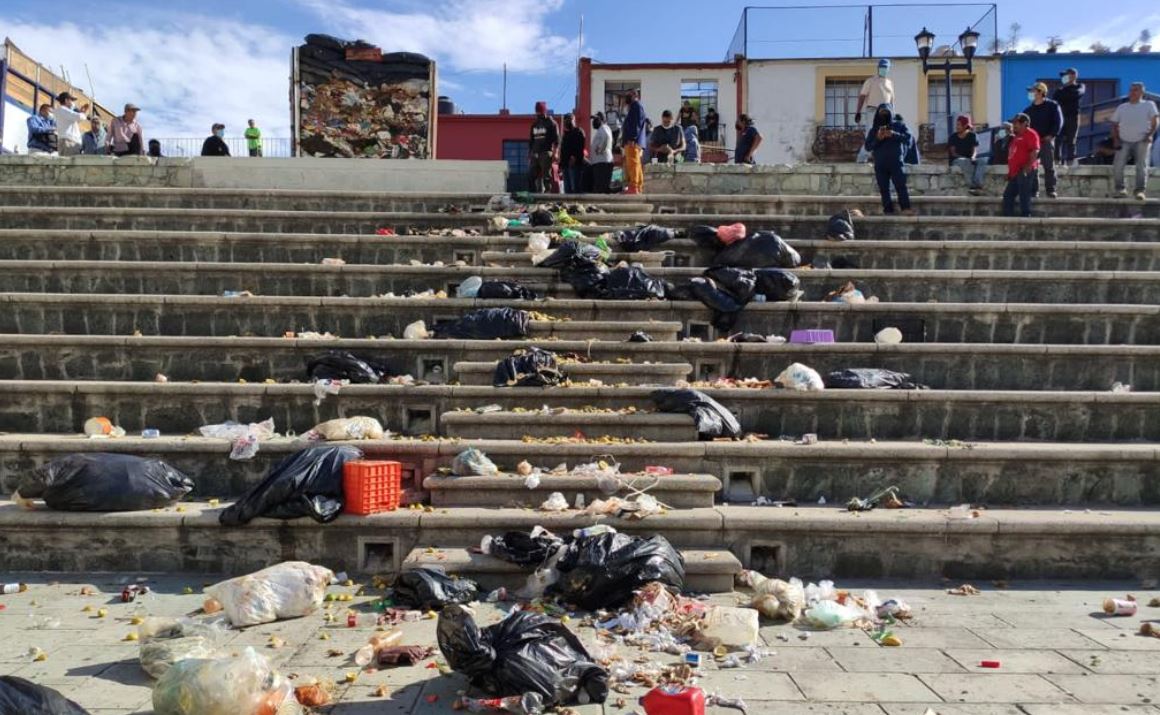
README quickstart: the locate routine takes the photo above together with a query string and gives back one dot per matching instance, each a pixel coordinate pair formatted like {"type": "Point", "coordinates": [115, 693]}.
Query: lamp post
{"type": "Point", "coordinates": [969, 40]}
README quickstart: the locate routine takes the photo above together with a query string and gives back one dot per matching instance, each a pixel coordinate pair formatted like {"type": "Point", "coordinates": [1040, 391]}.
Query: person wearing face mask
{"type": "Point", "coordinates": [214, 145]}
{"type": "Point", "coordinates": [748, 139]}
{"type": "Point", "coordinates": [600, 155]}
{"type": "Point", "coordinates": [667, 140]}
{"type": "Point", "coordinates": [1000, 145]}
{"type": "Point", "coordinates": [1068, 96]}
{"type": "Point", "coordinates": [875, 92]}
{"type": "Point", "coordinates": [888, 141]}
{"type": "Point", "coordinates": [1047, 121]}
{"type": "Point", "coordinates": [42, 137]}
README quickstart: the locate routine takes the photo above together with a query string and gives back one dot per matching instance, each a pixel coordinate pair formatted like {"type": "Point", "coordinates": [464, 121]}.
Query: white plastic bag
{"type": "Point", "coordinates": [538, 242]}
{"type": "Point", "coordinates": [245, 684]}
{"type": "Point", "coordinates": [416, 331]}
{"type": "Point", "coordinates": [165, 641]}
{"type": "Point", "coordinates": [800, 377]}
{"type": "Point", "coordinates": [831, 614]}
{"type": "Point", "coordinates": [360, 427]}
{"type": "Point", "coordinates": [245, 438]}
{"type": "Point", "coordinates": [888, 336]}
{"type": "Point", "coordinates": [286, 590]}
{"type": "Point", "coordinates": [775, 598]}
{"type": "Point", "coordinates": [733, 628]}
{"type": "Point", "coordinates": [469, 288]}
{"type": "Point", "coordinates": [555, 502]}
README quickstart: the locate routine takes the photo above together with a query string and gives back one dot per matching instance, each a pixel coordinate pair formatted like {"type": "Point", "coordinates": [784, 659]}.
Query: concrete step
{"type": "Point", "coordinates": [996, 253]}
{"type": "Point", "coordinates": [275, 199]}
{"type": "Point", "coordinates": [286, 279]}
{"type": "Point", "coordinates": [105, 314]}
{"type": "Point", "coordinates": [677, 491]}
{"type": "Point", "coordinates": [810, 543]}
{"type": "Point", "coordinates": [609, 373]}
{"type": "Point", "coordinates": [523, 260]}
{"type": "Point", "coordinates": [933, 472]}
{"type": "Point", "coordinates": [706, 570]}
{"type": "Point", "coordinates": [950, 366]}
{"type": "Point", "coordinates": [649, 427]}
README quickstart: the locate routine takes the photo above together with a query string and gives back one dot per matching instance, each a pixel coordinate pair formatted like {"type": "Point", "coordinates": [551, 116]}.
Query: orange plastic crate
{"type": "Point", "coordinates": [371, 487]}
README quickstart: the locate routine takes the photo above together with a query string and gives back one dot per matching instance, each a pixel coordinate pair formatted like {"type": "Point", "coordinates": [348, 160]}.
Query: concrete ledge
{"type": "Point", "coordinates": [481, 373]}
{"type": "Point", "coordinates": [511, 425]}
{"type": "Point", "coordinates": [679, 491]}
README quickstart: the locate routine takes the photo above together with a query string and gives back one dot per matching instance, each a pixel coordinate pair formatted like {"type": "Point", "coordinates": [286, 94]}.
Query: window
{"type": "Point", "coordinates": [614, 101]}
{"type": "Point", "coordinates": [841, 102]}
{"type": "Point", "coordinates": [961, 96]}
{"type": "Point", "coordinates": [515, 153]}
{"type": "Point", "coordinates": [701, 94]}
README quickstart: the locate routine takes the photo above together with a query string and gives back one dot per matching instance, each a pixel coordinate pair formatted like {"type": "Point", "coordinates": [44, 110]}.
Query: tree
{"type": "Point", "coordinates": [1013, 35]}
{"type": "Point", "coordinates": [1100, 48]}
{"type": "Point", "coordinates": [1145, 36]}
{"type": "Point", "coordinates": [1053, 44]}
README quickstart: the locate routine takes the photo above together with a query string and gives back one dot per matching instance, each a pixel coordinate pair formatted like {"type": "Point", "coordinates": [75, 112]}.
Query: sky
{"type": "Point", "coordinates": [190, 64]}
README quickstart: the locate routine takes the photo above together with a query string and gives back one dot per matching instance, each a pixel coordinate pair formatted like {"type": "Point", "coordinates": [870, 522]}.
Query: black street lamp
{"type": "Point", "coordinates": [969, 40]}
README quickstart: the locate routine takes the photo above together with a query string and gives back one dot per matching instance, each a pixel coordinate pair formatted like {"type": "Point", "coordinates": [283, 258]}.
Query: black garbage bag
{"type": "Point", "coordinates": [747, 338]}
{"type": "Point", "coordinates": [603, 571]}
{"type": "Point", "coordinates": [711, 417]}
{"type": "Point", "coordinates": [840, 227]}
{"type": "Point", "coordinates": [307, 483]}
{"type": "Point", "coordinates": [487, 324]}
{"type": "Point", "coordinates": [708, 292]}
{"type": "Point", "coordinates": [777, 284]}
{"type": "Point", "coordinates": [632, 283]}
{"type": "Point", "coordinates": [505, 290]}
{"type": "Point", "coordinates": [542, 217]}
{"type": "Point", "coordinates": [571, 252]}
{"type": "Point", "coordinates": [581, 265]}
{"type": "Point", "coordinates": [341, 365]}
{"type": "Point", "coordinates": [741, 283]}
{"type": "Point", "coordinates": [524, 548]}
{"type": "Point", "coordinates": [526, 652]}
{"type": "Point", "coordinates": [871, 378]}
{"type": "Point", "coordinates": [531, 367]}
{"type": "Point", "coordinates": [640, 337]}
{"type": "Point", "coordinates": [22, 697]}
{"type": "Point", "coordinates": [644, 238]}
{"type": "Point", "coordinates": [428, 589]}
{"type": "Point", "coordinates": [764, 249]}
{"type": "Point", "coordinates": [101, 481]}
{"type": "Point", "coordinates": [706, 237]}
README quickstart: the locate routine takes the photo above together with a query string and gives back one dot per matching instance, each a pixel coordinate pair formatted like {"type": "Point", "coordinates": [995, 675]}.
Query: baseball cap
{"type": "Point", "coordinates": [65, 95]}
{"type": "Point", "coordinates": [1038, 87]}
{"type": "Point", "coordinates": [884, 62]}
{"type": "Point", "coordinates": [1021, 117]}
{"type": "Point", "coordinates": [132, 107]}
{"type": "Point", "coordinates": [1069, 70]}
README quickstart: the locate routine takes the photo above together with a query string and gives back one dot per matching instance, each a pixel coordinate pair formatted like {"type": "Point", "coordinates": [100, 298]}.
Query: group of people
{"type": "Point", "coordinates": [587, 166]}
{"type": "Point", "coordinates": [1038, 137]}
{"type": "Point", "coordinates": [56, 130]}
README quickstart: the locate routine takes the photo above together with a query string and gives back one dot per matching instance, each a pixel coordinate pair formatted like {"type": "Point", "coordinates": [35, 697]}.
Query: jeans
{"type": "Point", "coordinates": [974, 171]}
{"type": "Point", "coordinates": [256, 152]}
{"type": "Point", "coordinates": [633, 170]}
{"type": "Point", "coordinates": [572, 176]}
{"type": "Point", "coordinates": [601, 177]}
{"type": "Point", "coordinates": [887, 175]}
{"type": "Point", "coordinates": [1047, 161]}
{"type": "Point", "coordinates": [1066, 149]}
{"type": "Point", "coordinates": [1021, 186]}
{"type": "Point", "coordinates": [1140, 152]}
{"type": "Point", "coordinates": [541, 172]}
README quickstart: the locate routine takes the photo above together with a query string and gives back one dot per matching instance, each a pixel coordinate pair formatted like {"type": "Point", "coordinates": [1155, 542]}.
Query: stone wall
{"type": "Point", "coordinates": [853, 180]}
{"type": "Point", "coordinates": [296, 173]}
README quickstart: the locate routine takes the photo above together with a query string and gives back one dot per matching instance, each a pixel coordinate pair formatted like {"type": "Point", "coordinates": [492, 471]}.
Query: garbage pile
{"type": "Point", "coordinates": [477, 287]}
{"type": "Point", "coordinates": [245, 439]}
{"type": "Point", "coordinates": [487, 324]}
{"type": "Point", "coordinates": [582, 265]}
{"type": "Point", "coordinates": [712, 419]}
{"type": "Point", "coordinates": [104, 482]}
{"type": "Point", "coordinates": [307, 483]}
{"type": "Point", "coordinates": [23, 697]}
{"type": "Point", "coordinates": [529, 367]}
{"type": "Point", "coordinates": [342, 365]}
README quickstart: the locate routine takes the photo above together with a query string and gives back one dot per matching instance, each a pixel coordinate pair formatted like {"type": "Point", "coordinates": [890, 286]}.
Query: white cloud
{"type": "Point", "coordinates": [468, 35]}
{"type": "Point", "coordinates": [1114, 32]}
{"type": "Point", "coordinates": [185, 72]}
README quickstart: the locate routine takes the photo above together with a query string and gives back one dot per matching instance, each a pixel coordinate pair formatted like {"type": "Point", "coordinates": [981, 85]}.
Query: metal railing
{"type": "Point", "coordinates": [273, 147]}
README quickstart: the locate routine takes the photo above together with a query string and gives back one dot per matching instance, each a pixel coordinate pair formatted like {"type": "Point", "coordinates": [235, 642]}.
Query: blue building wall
{"type": "Point", "coordinates": [1023, 70]}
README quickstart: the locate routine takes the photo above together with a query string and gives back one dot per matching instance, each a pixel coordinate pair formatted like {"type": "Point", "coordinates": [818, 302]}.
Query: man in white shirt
{"type": "Point", "coordinates": [68, 123]}
{"type": "Point", "coordinates": [875, 92]}
{"type": "Point", "coordinates": [1133, 127]}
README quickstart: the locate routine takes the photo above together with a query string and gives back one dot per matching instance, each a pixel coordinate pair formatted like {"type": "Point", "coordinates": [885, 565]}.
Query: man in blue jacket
{"type": "Point", "coordinates": [633, 137]}
{"type": "Point", "coordinates": [1047, 121]}
{"type": "Point", "coordinates": [888, 142]}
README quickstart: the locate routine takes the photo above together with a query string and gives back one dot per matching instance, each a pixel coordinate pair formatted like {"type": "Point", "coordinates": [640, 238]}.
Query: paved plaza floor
{"type": "Point", "coordinates": [1058, 654]}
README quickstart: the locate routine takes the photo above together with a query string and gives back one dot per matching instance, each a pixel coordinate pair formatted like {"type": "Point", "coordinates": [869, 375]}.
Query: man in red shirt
{"type": "Point", "coordinates": [1022, 166]}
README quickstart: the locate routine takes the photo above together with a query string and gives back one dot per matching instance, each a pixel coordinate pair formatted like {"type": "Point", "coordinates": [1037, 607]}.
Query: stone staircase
{"type": "Point", "coordinates": [1019, 327]}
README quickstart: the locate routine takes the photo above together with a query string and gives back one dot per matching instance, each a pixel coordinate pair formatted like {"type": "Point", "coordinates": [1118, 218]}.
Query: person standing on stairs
{"type": "Point", "coordinates": [572, 146]}
{"type": "Point", "coordinates": [214, 144]}
{"type": "Point", "coordinates": [600, 155]}
{"type": "Point", "coordinates": [1068, 96]}
{"type": "Point", "coordinates": [1047, 122]}
{"type": "Point", "coordinates": [544, 138]}
{"type": "Point", "coordinates": [632, 138]}
{"type": "Point", "coordinates": [887, 142]}
{"type": "Point", "coordinates": [875, 92]}
{"type": "Point", "coordinates": [1023, 155]}
{"type": "Point", "coordinates": [1133, 129]}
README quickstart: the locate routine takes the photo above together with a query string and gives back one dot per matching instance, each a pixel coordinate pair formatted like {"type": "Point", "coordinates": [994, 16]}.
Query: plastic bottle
{"type": "Point", "coordinates": [13, 588]}
{"type": "Point", "coordinates": [674, 700]}
{"type": "Point", "coordinates": [366, 655]}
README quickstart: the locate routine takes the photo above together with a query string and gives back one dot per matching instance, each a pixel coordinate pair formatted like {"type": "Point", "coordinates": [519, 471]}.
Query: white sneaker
{"type": "Point", "coordinates": [1122, 193]}
{"type": "Point", "coordinates": [1140, 196]}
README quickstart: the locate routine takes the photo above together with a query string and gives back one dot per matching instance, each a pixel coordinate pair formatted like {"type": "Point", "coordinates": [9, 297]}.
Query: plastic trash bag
{"type": "Point", "coordinates": [524, 653]}
{"type": "Point", "coordinates": [530, 367]}
{"type": "Point", "coordinates": [581, 265]}
{"type": "Point", "coordinates": [632, 283]}
{"type": "Point", "coordinates": [731, 628]}
{"type": "Point", "coordinates": [728, 234]}
{"type": "Point", "coordinates": [640, 337]}
{"type": "Point", "coordinates": [505, 290]}
{"type": "Point", "coordinates": [348, 428]}
{"type": "Point", "coordinates": [473, 463]}
{"type": "Point", "coordinates": [245, 438]}
{"type": "Point", "coordinates": [416, 331]}
{"type": "Point", "coordinates": [100, 481]}
{"type": "Point", "coordinates": [774, 598]}
{"type": "Point", "coordinates": [22, 697]}
{"type": "Point", "coordinates": [164, 641]}
{"type": "Point", "coordinates": [307, 483]}
{"type": "Point", "coordinates": [710, 416]}
{"type": "Point", "coordinates": [840, 227]}
{"type": "Point", "coordinates": [712, 296]}
{"type": "Point", "coordinates": [555, 503]}
{"type": "Point", "coordinates": [706, 238]}
{"type": "Point", "coordinates": [764, 249]}
{"type": "Point", "coordinates": [538, 242]}
{"type": "Point", "coordinates": [872, 378]}
{"type": "Point", "coordinates": [290, 589]}
{"type": "Point", "coordinates": [524, 548]}
{"type": "Point", "coordinates": [469, 288]}
{"type": "Point", "coordinates": [603, 571]}
{"type": "Point", "coordinates": [747, 338]}
{"type": "Point", "coordinates": [888, 336]}
{"type": "Point", "coordinates": [542, 217]}
{"type": "Point", "coordinates": [740, 283]}
{"type": "Point", "coordinates": [777, 284]}
{"type": "Point", "coordinates": [800, 377]}
{"type": "Point", "coordinates": [848, 293]}
{"type": "Point", "coordinates": [644, 238]}
{"type": "Point", "coordinates": [428, 589]}
{"type": "Point", "coordinates": [827, 615]}
{"type": "Point", "coordinates": [341, 365]}
{"type": "Point", "coordinates": [245, 684]}
{"type": "Point", "coordinates": [487, 324]}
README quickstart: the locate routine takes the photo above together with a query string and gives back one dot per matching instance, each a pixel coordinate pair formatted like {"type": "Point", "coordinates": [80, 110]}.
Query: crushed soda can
{"type": "Point", "coordinates": [132, 591]}
{"type": "Point", "coordinates": [1120, 606]}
